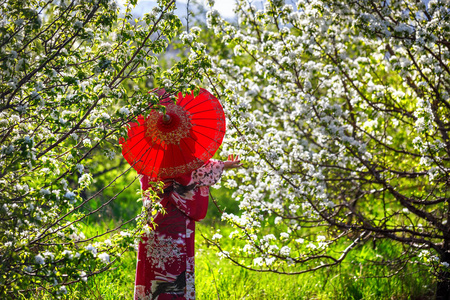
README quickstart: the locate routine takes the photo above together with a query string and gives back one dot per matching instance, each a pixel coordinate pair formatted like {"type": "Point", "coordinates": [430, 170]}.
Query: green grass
{"type": "Point", "coordinates": [220, 279]}
{"type": "Point", "coordinates": [116, 283]}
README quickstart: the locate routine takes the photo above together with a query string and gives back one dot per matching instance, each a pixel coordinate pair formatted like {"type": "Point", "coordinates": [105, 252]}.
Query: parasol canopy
{"type": "Point", "coordinates": [168, 146]}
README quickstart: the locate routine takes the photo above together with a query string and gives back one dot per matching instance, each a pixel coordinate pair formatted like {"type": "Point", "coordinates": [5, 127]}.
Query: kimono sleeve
{"type": "Point", "coordinates": [208, 174]}
{"type": "Point", "coordinates": [144, 182]}
{"type": "Point", "coordinates": [194, 203]}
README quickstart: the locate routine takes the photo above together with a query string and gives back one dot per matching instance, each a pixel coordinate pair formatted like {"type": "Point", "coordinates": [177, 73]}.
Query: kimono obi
{"type": "Point", "coordinates": [171, 186]}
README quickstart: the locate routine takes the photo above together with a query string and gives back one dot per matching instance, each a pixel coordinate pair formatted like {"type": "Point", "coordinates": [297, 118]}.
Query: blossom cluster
{"type": "Point", "coordinates": [341, 112]}
{"type": "Point", "coordinates": [69, 83]}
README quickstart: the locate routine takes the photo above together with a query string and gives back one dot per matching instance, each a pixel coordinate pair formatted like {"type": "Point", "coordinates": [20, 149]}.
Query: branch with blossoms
{"type": "Point", "coordinates": [73, 75]}
{"type": "Point", "coordinates": [341, 112]}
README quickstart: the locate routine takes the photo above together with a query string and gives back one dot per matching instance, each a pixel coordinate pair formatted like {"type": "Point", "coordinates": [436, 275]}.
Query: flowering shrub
{"type": "Point", "coordinates": [68, 85]}
{"type": "Point", "coordinates": [341, 111]}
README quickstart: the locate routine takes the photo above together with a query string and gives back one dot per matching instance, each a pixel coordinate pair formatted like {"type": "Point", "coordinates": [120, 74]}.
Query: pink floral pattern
{"type": "Point", "coordinates": [165, 263]}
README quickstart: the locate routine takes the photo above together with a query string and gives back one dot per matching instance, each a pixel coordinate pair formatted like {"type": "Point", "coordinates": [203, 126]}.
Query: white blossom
{"type": "Point", "coordinates": [124, 111]}
{"type": "Point", "coordinates": [92, 249]}
{"type": "Point", "coordinates": [83, 276]}
{"type": "Point", "coordinates": [87, 142]}
{"type": "Point", "coordinates": [285, 251]}
{"type": "Point", "coordinates": [85, 179]}
{"type": "Point", "coordinates": [216, 237]}
{"type": "Point", "coordinates": [39, 259]}
{"type": "Point", "coordinates": [104, 257]}
{"type": "Point", "coordinates": [80, 168]}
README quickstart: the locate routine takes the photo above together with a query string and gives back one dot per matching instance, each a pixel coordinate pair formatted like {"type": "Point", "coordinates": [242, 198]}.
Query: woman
{"type": "Point", "coordinates": [165, 264]}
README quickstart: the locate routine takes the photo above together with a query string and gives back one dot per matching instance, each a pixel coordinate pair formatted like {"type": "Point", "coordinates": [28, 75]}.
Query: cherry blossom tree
{"type": "Point", "coordinates": [73, 73]}
{"type": "Point", "coordinates": [341, 111]}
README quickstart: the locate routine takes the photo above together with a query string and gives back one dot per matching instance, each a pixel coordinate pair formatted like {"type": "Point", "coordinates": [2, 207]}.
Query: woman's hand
{"type": "Point", "coordinates": [232, 162]}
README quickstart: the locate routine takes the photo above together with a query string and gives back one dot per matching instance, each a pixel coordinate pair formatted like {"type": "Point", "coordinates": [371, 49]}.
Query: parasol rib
{"type": "Point", "coordinates": [196, 104]}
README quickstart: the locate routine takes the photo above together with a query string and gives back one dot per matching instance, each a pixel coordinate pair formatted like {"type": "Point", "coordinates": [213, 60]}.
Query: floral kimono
{"type": "Point", "coordinates": [165, 262]}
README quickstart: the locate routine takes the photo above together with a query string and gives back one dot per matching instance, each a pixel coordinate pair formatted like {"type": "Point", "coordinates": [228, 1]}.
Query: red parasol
{"type": "Point", "coordinates": [167, 146]}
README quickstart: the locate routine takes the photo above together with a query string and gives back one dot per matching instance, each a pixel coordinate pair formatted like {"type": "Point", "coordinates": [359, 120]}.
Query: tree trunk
{"type": "Point", "coordinates": [443, 285]}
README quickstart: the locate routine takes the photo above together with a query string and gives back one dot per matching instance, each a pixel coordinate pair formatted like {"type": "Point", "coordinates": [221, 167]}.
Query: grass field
{"type": "Point", "coordinates": [220, 279]}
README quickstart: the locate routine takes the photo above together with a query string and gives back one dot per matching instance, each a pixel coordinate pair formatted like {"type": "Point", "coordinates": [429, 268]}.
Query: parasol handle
{"type": "Point", "coordinates": [166, 119]}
